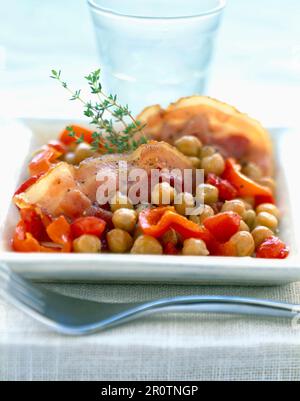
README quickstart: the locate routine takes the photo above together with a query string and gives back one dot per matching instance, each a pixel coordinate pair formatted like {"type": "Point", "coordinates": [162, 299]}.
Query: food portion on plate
{"type": "Point", "coordinates": [59, 203]}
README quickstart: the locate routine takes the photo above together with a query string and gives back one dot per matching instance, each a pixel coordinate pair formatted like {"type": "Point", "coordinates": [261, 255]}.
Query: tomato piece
{"type": "Point", "coordinates": [88, 225]}
{"type": "Point", "coordinates": [226, 190]}
{"type": "Point", "coordinates": [223, 225]}
{"type": "Point", "coordinates": [33, 223]}
{"type": "Point", "coordinates": [23, 241]}
{"type": "Point", "coordinates": [272, 248]}
{"type": "Point", "coordinates": [59, 232]}
{"type": "Point", "coordinates": [43, 160]}
{"type": "Point", "coordinates": [31, 230]}
{"type": "Point", "coordinates": [66, 139]}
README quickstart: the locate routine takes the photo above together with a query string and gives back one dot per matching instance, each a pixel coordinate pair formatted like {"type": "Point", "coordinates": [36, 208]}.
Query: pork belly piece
{"type": "Point", "coordinates": [153, 155]}
{"type": "Point", "coordinates": [71, 190]}
{"type": "Point", "coordinates": [215, 123]}
{"type": "Point", "coordinates": [56, 193]}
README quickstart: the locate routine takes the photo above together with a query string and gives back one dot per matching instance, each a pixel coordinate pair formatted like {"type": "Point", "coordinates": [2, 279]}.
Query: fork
{"type": "Point", "coordinates": [73, 316]}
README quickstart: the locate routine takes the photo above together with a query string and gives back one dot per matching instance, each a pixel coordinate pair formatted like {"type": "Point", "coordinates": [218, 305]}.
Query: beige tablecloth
{"type": "Point", "coordinates": [161, 347]}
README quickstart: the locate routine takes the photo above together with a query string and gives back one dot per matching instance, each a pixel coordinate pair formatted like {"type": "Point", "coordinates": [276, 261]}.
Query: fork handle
{"type": "Point", "coordinates": [204, 304]}
{"type": "Point", "coordinates": [221, 308]}
{"type": "Point", "coordinates": [219, 299]}
{"type": "Point", "coordinates": [208, 307]}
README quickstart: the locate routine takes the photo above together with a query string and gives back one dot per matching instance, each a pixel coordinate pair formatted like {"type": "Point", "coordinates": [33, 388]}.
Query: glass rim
{"type": "Point", "coordinates": [215, 10]}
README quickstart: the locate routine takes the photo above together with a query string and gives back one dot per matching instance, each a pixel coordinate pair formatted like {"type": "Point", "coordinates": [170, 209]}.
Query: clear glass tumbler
{"type": "Point", "coordinates": [155, 51]}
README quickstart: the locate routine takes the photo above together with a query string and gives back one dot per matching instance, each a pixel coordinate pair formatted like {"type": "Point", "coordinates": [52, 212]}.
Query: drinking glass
{"type": "Point", "coordinates": [155, 51]}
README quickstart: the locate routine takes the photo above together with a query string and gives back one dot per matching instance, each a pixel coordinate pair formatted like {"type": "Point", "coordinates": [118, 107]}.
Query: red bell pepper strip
{"type": "Point", "coordinates": [218, 249]}
{"type": "Point", "coordinates": [59, 232]}
{"type": "Point", "coordinates": [272, 248]}
{"type": "Point", "coordinates": [23, 241]}
{"type": "Point", "coordinates": [223, 225]}
{"type": "Point", "coordinates": [67, 139]}
{"type": "Point", "coordinates": [33, 223]}
{"type": "Point", "coordinates": [156, 222]}
{"type": "Point", "coordinates": [42, 161]}
{"type": "Point", "coordinates": [226, 190]}
{"type": "Point", "coordinates": [244, 185]}
{"type": "Point", "coordinates": [26, 184]}
{"type": "Point", "coordinates": [88, 225]}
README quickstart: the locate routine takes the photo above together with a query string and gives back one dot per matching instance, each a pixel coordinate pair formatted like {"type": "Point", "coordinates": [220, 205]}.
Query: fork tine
{"type": "Point", "coordinates": [13, 285]}
{"type": "Point", "coordinates": [4, 276]}
{"type": "Point", "coordinates": [21, 295]}
{"type": "Point", "coordinates": [25, 292]}
{"type": "Point", "coordinates": [31, 289]}
{"type": "Point", "coordinates": [7, 275]}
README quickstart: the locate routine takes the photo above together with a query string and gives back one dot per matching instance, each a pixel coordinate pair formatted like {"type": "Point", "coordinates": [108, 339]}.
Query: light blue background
{"type": "Point", "coordinates": [256, 64]}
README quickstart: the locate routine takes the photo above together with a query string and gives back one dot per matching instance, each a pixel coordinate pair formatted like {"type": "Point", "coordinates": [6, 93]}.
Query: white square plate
{"type": "Point", "coordinates": [21, 138]}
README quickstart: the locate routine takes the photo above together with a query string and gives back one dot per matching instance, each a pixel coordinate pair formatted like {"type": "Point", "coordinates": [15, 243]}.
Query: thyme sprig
{"type": "Point", "coordinates": [113, 140]}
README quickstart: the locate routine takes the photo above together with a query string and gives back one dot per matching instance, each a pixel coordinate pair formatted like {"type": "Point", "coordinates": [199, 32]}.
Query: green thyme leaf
{"type": "Point", "coordinates": [114, 140]}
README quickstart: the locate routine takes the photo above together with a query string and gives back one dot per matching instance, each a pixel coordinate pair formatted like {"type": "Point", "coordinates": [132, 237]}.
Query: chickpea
{"type": "Point", "coordinates": [249, 218]}
{"type": "Point", "coordinates": [206, 212]}
{"type": "Point", "coordinates": [70, 158]}
{"type": "Point", "coordinates": [119, 241]}
{"type": "Point", "coordinates": [147, 245]}
{"type": "Point", "coordinates": [236, 206]}
{"type": "Point", "coordinates": [183, 202]}
{"type": "Point", "coordinates": [244, 226]}
{"type": "Point", "coordinates": [83, 151]}
{"type": "Point", "coordinates": [188, 145]}
{"type": "Point", "coordinates": [125, 219]}
{"type": "Point", "coordinates": [119, 201]}
{"type": "Point", "coordinates": [252, 171]}
{"type": "Point", "coordinates": [207, 193]}
{"type": "Point", "coordinates": [207, 151]}
{"type": "Point", "coordinates": [213, 164]}
{"type": "Point", "coordinates": [87, 244]}
{"type": "Point", "coordinates": [269, 208]}
{"type": "Point", "coordinates": [266, 219]}
{"type": "Point", "coordinates": [170, 236]}
{"type": "Point", "coordinates": [163, 194]}
{"type": "Point", "coordinates": [269, 183]}
{"type": "Point", "coordinates": [261, 233]}
{"type": "Point", "coordinates": [243, 243]}
{"type": "Point", "coordinates": [196, 162]}
{"type": "Point", "coordinates": [194, 246]}
{"type": "Point", "coordinates": [249, 202]}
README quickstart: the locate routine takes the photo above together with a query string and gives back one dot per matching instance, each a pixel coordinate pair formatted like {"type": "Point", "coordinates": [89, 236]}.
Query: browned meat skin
{"type": "Point", "coordinates": [154, 155]}
{"type": "Point", "coordinates": [233, 134]}
{"type": "Point", "coordinates": [71, 191]}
